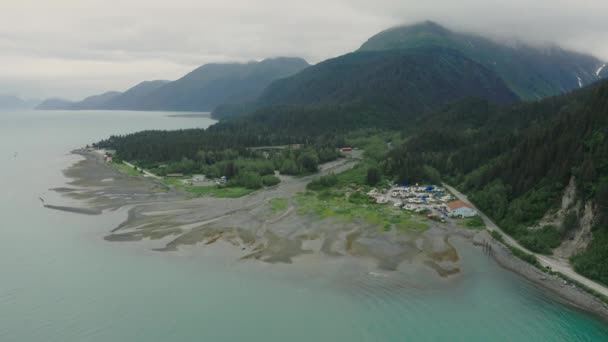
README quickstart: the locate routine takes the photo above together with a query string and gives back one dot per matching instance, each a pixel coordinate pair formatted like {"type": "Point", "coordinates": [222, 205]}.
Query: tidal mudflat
{"type": "Point", "coordinates": [256, 225]}
{"type": "Point", "coordinates": [278, 225]}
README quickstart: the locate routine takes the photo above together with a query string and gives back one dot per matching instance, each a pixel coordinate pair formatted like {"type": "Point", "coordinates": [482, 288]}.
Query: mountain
{"type": "Point", "coordinates": [401, 80]}
{"type": "Point", "coordinates": [378, 89]}
{"type": "Point", "coordinates": [95, 101]}
{"type": "Point", "coordinates": [55, 104]}
{"type": "Point", "coordinates": [89, 103]}
{"type": "Point", "coordinates": [10, 102]}
{"type": "Point", "coordinates": [133, 96]}
{"type": "Point", "coordinates": [200, 90]}
{"type": "Point", "coordinates": [539, 169]}
{"type": "Point", "coordinates": [213, 84]}
{"type": "Point", "coordinates": [531, 72]}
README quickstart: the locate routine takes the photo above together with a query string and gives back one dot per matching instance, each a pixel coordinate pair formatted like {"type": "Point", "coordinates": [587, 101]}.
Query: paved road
{"type": "Point", "coordinates": [547, 261]}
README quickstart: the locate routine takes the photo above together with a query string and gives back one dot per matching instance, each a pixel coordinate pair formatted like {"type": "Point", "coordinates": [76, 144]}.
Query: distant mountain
{"type": "Point", "coordinates": [95, 101]}
{"type": "Point", "coordinates": [531, 72]}
{"type": "Point", "coordinates": [9, 102]}
{"type": "Point", "coordinates": [213, 84]}
{"type": "Point", "coordinates": [89, 103]}
{"type": "Point", "coordinates": [379, 88]}
{"type": "Point", "coordinates": [55, 104]}
{"type": "Point", "coordinates": [200, 90]}
{"type": "Point", "coordinates": [134, 96]}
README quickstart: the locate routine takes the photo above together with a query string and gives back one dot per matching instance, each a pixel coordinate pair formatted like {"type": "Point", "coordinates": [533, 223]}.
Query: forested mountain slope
{"type": "Point", "coordinates": [377, 89]}
{"type": "Point", "coordinates": [396, 81]}
{"type": "Point", "coordinates": [517, 162]}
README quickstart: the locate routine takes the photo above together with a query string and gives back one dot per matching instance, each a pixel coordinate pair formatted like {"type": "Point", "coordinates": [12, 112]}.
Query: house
{"type": "Point", "coordinates": [461, 209]}
{"type": "Point", "coordinates": [175, 175]}
{"type": "Point", "coordinates": [346, 149]}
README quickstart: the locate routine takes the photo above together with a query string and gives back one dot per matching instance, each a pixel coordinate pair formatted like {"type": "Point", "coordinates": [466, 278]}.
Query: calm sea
{"type": "Point", "coordinates": [60, 281]}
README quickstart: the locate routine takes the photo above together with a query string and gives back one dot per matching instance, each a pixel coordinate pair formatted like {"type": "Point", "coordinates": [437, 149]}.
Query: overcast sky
{"type": "Point", "coordinates": [75, 48]}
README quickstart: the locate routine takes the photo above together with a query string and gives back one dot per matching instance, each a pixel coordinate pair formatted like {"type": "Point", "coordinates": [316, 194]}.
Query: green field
{"type": "Point", "coordinates": [475, 223]}
{"type": "Point", "coordinates": [336, 204]}
{"type": "Point", "coordinates": [126, 169]}
{"type": "Point", "coordinates": [279, 204]}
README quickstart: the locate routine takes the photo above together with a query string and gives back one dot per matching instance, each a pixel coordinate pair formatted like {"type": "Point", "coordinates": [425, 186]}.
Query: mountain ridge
{"type": "Point", "coordinates": [532, 72]}
{"type": "Point", "coordinates": [377, 88]}
{"type": "Point", "coordinates": [202, 89]}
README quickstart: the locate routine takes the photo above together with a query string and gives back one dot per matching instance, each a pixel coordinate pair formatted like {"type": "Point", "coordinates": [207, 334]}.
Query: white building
{"type": "Point", "coordinates": [461, 209]}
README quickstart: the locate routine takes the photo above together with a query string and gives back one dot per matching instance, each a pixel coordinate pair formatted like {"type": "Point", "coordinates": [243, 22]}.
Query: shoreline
{"type": "Point", "coordinates": [256, 233]}
{"type": "Point", "coordinates": [560, 289]}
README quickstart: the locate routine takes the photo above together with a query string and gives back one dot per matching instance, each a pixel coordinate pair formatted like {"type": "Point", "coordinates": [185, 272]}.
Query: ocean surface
{"type": "Point", "coordinates": [60, 281]}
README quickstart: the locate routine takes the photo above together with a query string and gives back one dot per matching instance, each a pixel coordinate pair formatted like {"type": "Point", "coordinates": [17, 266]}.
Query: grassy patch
{"type": "Point", "coordinates": [278, 204]}
{"type": "Point", "coordinates": [355, 175]}
{"type": "Point", "coordinates": [497, 236]}
{"type": "Point", "coordinates": [411, 226]}
{"type": "Point", "coordinates": [232, 192]}
{"type": "Point", "coordinates": [475, 223]}
{"type": "Point", "coordinates": [335, 204]}
{"type": "Point", "coordinates": [126, 169]}
{"type": "Point", "coordinates": [529, 258]}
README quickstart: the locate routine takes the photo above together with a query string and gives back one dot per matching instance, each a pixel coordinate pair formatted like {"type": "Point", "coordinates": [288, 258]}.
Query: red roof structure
{"type": "Point", "coordinates": [459, 204]}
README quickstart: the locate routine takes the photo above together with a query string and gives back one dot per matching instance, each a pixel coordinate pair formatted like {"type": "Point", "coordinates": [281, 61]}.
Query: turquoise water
{"type": "Point", "coordinates": [60, 281]}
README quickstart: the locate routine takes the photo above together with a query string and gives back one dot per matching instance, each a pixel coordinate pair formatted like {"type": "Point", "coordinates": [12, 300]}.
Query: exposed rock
{"type": "Point", "coordinates": [581, 238]}
{"type": "Point", "coordinates": [556, 217]}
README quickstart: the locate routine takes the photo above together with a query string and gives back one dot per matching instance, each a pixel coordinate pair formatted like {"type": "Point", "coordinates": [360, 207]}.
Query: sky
{"type": "Point", "coordinates": [76, 48]}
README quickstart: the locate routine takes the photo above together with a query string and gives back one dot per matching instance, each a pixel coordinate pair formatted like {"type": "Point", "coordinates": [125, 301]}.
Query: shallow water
{"type": "Point", "coordinates": [60, 281]}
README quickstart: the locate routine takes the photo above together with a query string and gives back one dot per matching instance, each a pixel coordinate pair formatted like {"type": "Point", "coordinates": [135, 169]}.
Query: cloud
{"type": "Point", "coordinates": [74, 48]}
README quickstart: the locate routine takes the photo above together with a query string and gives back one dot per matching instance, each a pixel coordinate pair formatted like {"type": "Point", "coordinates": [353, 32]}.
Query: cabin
{"type": "Point", "coordinates": [175, 175]}
{"type": "Point", "coordinates": [461, 209]}
{"type": "Point", "coordinates": [346, 149]}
